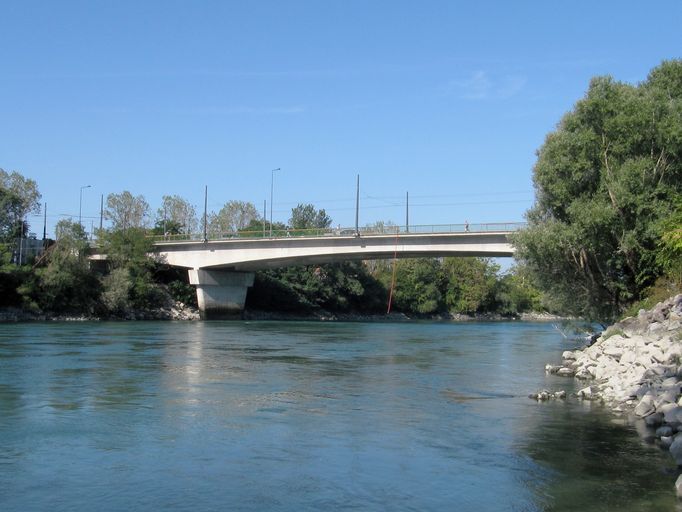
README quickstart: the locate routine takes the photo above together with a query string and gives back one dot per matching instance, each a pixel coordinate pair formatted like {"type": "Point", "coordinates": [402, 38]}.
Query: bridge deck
{"type": "Point", "coordinates": [253, 254]}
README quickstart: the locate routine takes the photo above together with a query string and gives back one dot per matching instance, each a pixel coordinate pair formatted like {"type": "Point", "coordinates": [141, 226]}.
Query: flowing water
{"type": "Point", "coordinates": [307, 416]}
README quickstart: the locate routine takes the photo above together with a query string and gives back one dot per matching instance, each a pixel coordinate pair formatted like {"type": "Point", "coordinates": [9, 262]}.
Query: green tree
{"type": "Point", "coordinates": [232, 217]}
{"type": "Point", "coordinates": [64, 283]}
{"type": "Point", "coordinates": [470, 284]}
{"type": "Point", "coordinates": [126, 211]}
{"type": "Point", "coordinates": [419, 286]}
{"type": "Point", "coordinates": [604, 179]}
{"type": "Point", "coordinates": [19, 196]}
{"type": "Point", "coordinates": [168, 227]}
{"type": "Point", "coordinates": [670, 246]}
{"type": "Point", "coordinates": [130, 283]}
{"type": "Point", "coordinates": [24, 188]}
{"type": "Point", "coordinates": [176, 216]}
{"type": "Point", "coordinates": [11, 216]}
{"type": "Point", "coordinates": [514, 293]}
{"type": "Point", "coordinates": [257, 227]}
{"type": "Point", "coordinates": [305, 216]}
{"type": "Point", "coordinates": [336, 287]}
{"type": "Point", "coordinates": [12, 277]}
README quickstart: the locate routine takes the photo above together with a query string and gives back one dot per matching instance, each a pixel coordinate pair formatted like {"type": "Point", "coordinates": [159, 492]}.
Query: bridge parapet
{"type": "Point", "coordinates": [378, 229]}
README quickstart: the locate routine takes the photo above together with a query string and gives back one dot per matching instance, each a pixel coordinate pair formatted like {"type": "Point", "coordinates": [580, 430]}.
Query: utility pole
{"type": "Point", "coordinates": [80, 205]}
{"type": "Point", "coordinates": [357, 207]}
{"type": "Point", "coordinates": [407, 212]}
{"type": "Point", "coordinates": [205, 214]}
{"type": "Point", "coordinates": [272, 188]}
{"type": "Point", "coordinates": [45, 224]}
{"type": "Point", "coordinates": [101, 211]}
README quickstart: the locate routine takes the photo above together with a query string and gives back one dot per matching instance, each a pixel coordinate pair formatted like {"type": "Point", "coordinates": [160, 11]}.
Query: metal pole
{"type": "Point", "coordinates": [357, 207]}
{"type": "Point", "coordinates": [407, 212]}
{"type": "Point", "coordinates": [80, 205]}
{"type": "Point", "coordinates": [45, 223]}
{"type": "Point", "coordinates": [205, 214]}
{"type": "Point", "coordinates": [265, 213]}
{"type": "Point", "coordinates": [101, 211]}
{"type": "Point", "coordinates": [272, 188]}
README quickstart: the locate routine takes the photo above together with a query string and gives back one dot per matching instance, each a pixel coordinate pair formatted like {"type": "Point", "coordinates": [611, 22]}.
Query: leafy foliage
{"type": "Point", "coordinates": [470, 284]}
{"type": "Point", "coordinates": [23, 188]}
{"type": "Point", "coordinates": [66, 284]}
{"type": "Point", "coordinates": [176, 216]}
{"type": "Point", "coordinates": [419, 286]}
{"type": "Point", "coordinates": [63, 281]}
{"type": "Point", "coordinates": [11, 216]}
{"type": "Point", "coordinates": [306, 216]}
{"type": "Point", "coordinates": [669, 256]}
{"type": "Point", "coordinates": [11, 278]}
{"type": "Point", "coordinates": [19, 196]}
{"type": "Point", "coordinates": [126, 211]}
{"type": "Point", "coordinates": [257, 227]}
{"type": "Point", "coordinates": [604, 179]}
{"type": "Point", "coordinates": [514, 293]}
{"type": "Point", "coordinates": [130, 283]}
{"type": "Point", "coordinates": [232, 217]}
{"type": "Point", "coordinates": [334, 287]}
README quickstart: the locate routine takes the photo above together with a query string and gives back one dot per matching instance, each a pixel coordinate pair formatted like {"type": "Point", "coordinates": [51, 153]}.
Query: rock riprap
{"type": "Point", "coordinates": [636, 364]}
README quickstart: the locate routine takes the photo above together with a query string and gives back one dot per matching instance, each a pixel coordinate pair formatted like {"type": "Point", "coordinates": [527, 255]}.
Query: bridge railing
{"type": "Point", "coordinates": [380, 229]}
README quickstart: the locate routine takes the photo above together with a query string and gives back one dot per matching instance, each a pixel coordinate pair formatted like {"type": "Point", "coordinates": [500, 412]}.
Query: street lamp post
{"type": "Point", "coordinates": [80, 205]}
{"type": "Point", "coordinates": [272, 187]}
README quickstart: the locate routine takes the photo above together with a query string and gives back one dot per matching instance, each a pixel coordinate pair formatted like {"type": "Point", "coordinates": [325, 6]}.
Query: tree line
{"type": "Point", "coordinates": [63, 280]}
{"type": "Point", "coordinates": [604, 235]}
{"type": "Point", "coordinates": [177, 216]}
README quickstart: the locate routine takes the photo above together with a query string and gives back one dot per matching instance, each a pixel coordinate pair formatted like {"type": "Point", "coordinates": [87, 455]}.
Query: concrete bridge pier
{"type": "Point", "coordinates": [221, 294]}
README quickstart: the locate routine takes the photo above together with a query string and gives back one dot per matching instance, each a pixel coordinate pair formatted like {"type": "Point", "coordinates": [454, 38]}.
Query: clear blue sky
{"type": "Point", "coordinates": [447, 100]}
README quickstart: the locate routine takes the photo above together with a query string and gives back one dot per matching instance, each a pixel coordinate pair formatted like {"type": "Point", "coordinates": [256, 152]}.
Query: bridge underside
{"type": "Point", "coordinates": [320, 259]}
{"type": "Point", "coordinates": [223, 270]}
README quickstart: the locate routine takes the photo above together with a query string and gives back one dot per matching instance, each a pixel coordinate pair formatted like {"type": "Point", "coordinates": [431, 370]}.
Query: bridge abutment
{"type": "Point", "coordinates": [221, 294]}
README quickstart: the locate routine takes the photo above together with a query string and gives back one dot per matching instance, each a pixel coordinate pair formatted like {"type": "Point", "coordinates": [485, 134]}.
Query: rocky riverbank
{"type": "Point", "coordinates": [328, 316]}
{"type": "Point", "coordinates": [172, 310]}
{"type": "Point", "coordinates": [635, 368]}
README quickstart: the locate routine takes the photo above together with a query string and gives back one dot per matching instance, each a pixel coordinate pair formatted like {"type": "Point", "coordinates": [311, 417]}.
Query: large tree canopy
{"type": "Point", "coordinates": [233, 216]}
{"type": "Point", "coordinates": [604, 180]}
{"type": "Point", "coordinates": [176, 215]}
{"type": "Point", "coordinates": [305, 216]}
{"type": "Point", "coordinates": [126, 211]}
{"type": "Point", "coordinates": [19, 196]}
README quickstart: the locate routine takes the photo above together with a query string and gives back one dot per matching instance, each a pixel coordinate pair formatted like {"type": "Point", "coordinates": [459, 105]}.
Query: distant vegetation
{"type": "Point", "coordinates": [604, 235]}
{"type": "Point", "coordinates": [63, 281]}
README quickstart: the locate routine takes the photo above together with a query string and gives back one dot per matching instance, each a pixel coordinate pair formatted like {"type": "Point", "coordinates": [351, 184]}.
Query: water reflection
{"type": "Point", "coordinates": [305, 416]}
{"type": "Point", "coordinates": [595, 463]}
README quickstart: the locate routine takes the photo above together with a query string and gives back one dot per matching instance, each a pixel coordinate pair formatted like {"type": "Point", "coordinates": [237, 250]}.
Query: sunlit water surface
{"type": "Point", "coordinates": [307, 416]}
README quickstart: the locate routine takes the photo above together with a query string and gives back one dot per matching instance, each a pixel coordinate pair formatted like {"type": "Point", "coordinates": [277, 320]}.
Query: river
{"type": "Point", "coordinates": [300, 416]}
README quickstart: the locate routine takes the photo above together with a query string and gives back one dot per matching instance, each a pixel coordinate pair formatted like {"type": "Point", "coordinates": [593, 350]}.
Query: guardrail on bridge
{"type": "Point", "coordinates": [381, 229]}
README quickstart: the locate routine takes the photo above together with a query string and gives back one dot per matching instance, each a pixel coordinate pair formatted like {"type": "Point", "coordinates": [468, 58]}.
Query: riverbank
{"type": "Point", "coordinates": [327, 316]}
{"type": "Point", "coordinates": [173, 310]}
{"type": "Point", "coordinates": [635, 369]}
{"type": "Point", "coordinates": [176, 310]}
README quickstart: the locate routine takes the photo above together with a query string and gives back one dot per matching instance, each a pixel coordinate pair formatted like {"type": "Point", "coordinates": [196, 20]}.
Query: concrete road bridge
{"type": "Point", "coordinates": [223, 269]}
